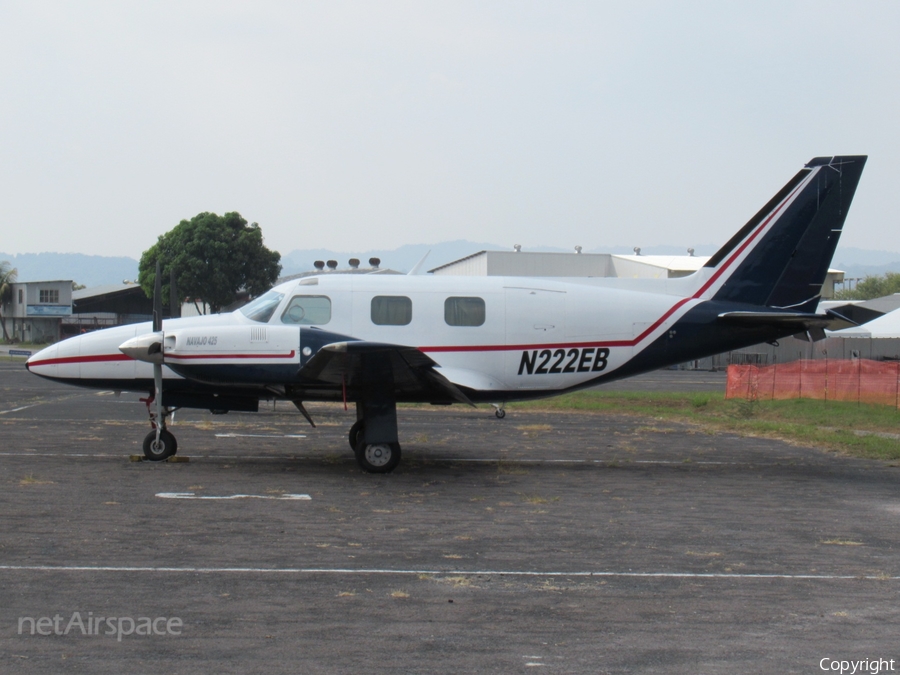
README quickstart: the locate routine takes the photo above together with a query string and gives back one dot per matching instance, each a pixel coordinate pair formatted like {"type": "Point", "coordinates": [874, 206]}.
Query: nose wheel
{"type": "Point", "coordinates": [159, 449]}
{"type": "Point", "coordinates": [159, 444]}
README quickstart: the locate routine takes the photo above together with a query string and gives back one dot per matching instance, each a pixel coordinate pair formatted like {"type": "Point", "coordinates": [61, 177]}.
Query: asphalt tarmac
{"type": "Point", "coordinates": [563, 543]}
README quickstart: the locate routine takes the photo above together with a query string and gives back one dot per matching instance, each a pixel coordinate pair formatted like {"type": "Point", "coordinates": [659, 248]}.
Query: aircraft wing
{"type": "Point", "coordinates": [361, 364]}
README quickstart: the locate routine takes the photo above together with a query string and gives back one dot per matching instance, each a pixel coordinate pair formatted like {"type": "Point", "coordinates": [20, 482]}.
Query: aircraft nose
{"type": "Point", "coordinates": [45, 362]}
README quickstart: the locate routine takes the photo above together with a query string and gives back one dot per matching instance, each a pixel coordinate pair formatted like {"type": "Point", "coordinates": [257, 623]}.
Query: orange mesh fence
{"type": "Point", "coordinates": [857, 380]}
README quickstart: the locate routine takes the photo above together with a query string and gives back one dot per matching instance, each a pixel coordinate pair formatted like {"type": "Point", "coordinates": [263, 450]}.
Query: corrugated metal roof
{"type": "Point", "coordinates": [456, 262]}
{"type": "Point", "coordinates": [106, 289]}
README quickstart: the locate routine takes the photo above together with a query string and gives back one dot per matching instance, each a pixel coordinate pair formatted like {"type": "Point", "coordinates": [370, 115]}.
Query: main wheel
{"type": "Point", "coordinates": [157, 451]}
{"type": "Point", "coordinates": [500, 413]}
{"type": "Point", "coordinates": [378, 457]}
{"type": "Point", "coordinates": [355, 431]}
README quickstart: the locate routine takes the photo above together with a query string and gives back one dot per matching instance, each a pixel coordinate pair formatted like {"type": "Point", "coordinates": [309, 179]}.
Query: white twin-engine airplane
{"type": "Point", "coordinates": [376, 340]}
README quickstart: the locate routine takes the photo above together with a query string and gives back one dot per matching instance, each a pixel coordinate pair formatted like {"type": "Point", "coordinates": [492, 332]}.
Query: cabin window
{"type": "Point", "coordinates": [391, 310]}
{"type": "Point", "coordinates": [263, 307]}
{"type": "Point", "coordinates": [461, 311]}
{"type": "Point", "coordinates": [50, 296]}
{"type": "Point", "coordinates": [308, 310]}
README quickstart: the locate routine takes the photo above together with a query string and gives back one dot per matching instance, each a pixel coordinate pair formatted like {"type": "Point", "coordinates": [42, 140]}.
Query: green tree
{"type": "Point", "coordinates": [7, 278]}
{"type": "Point", "coordinates": [872, 287]}
{"type": "Point", "coordinates": [213, 257]}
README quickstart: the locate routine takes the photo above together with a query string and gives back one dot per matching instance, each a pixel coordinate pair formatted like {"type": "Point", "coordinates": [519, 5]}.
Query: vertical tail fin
{"type": "Point", "coordinates": [781, 256]}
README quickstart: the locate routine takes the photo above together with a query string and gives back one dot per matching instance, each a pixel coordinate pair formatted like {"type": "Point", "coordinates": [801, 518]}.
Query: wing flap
{"type": "Point", "coordinates": [361, 364]}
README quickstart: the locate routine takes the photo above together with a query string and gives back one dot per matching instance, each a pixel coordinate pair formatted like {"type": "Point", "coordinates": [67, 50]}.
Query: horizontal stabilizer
{"type": "Point", "coordinates": [854, 315]}
{"type": "Point", "coordinates": [794, 320]}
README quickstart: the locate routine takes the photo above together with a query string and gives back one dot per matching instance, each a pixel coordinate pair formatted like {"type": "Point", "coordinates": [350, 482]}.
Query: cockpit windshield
{"type": "Point", "coordinates": [263, 307]}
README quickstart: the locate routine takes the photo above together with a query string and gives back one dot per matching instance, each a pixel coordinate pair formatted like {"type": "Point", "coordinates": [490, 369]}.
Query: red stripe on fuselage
{"type": "Point", "coordinates": [93, 358]}
{"type": "Point", "coordinates": [188, 357]}
{"type": "Point", "coordinates": [559, 345]}
{"type": "Point", "coordinates": [105, 358]}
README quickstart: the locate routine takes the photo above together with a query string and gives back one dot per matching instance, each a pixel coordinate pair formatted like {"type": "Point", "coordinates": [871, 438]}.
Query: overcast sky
{"type": "Point", "coordinates": [352, 126]}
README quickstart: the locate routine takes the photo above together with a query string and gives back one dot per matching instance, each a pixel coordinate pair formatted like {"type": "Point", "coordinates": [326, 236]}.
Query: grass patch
{"type": "Point", "coordinates": [30, 479]}
{"type": "Point", "coordinates": [537, 499]}
{"type": "Point", "coordinates": [534, 427]}
{"type": "Point", "coordinates": [841, 542]}
{"type": "Point", "coordinates": [833, 425]}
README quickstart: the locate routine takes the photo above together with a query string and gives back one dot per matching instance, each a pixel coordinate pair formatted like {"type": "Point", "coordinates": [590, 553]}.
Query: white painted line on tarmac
{"type": "Point", "coordinates": [191, 495]}
{"type": "Point", "coordinates": [515, 460]}
{"type": "Point", "coordinates": [24, 407]}
{"type": "Point", "coordinates": [260, 436]}
{"type": "Point", "coordinates": [445, 572]}
{"type": "Point", "coordinates": [57, 454]}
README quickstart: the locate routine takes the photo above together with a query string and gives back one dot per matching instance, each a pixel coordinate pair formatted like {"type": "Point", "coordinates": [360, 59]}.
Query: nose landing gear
{"type": "Point", "coordinates": [159, 444]}
{"type": "Point", "coordinates": [159, 449]}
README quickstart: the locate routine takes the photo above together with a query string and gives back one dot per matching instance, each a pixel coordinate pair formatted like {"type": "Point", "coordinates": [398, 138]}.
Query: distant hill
{"type": "Point", "coordinates": [88, 270]}
{"type": "Point", "coordinates": [859, 262]}
{"type": "Point", "coordinates": [95, 270]}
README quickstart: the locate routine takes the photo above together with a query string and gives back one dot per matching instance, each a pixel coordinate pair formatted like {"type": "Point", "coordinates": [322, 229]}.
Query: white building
{"type": "Point", "coordinates": [542, 264]}
{"type": "Point", "coordinates": [36, 309]}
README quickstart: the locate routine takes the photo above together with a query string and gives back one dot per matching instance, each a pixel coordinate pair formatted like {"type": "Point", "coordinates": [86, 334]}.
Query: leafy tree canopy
{"type": "Point", "coordinates": [214, 257]}
{"type": "Point", "coordinates": [872, 287]}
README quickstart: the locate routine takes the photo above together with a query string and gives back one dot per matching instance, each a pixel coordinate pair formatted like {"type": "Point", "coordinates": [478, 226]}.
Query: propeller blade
{"type": "Point", "coordinates": [174, 302]}
{"type": "Point", "coordinates": [154, 352]}
{"type": "Point", "coordinates": [157, 301]}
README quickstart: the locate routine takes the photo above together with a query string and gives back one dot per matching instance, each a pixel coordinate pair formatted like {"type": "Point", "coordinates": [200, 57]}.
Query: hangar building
{"type": "Point", "coordinates": [520, 263]}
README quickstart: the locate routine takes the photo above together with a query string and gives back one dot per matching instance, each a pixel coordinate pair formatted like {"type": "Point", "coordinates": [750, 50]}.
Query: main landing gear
{"type": "Point", "coordinates": [159, 444]}
{"type": "Point", "coordinates": [373, 437]}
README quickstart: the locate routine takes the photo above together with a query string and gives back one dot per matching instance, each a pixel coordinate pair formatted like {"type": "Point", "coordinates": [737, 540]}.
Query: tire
{"type": "Point", "coordinates": [500, 413]}
{"type": "Point", "coordinates": [166, 448]}
{"type": "Point", "coordinates": [355, 431]}
{"type": "Point", "coordinates": [378, 457]}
